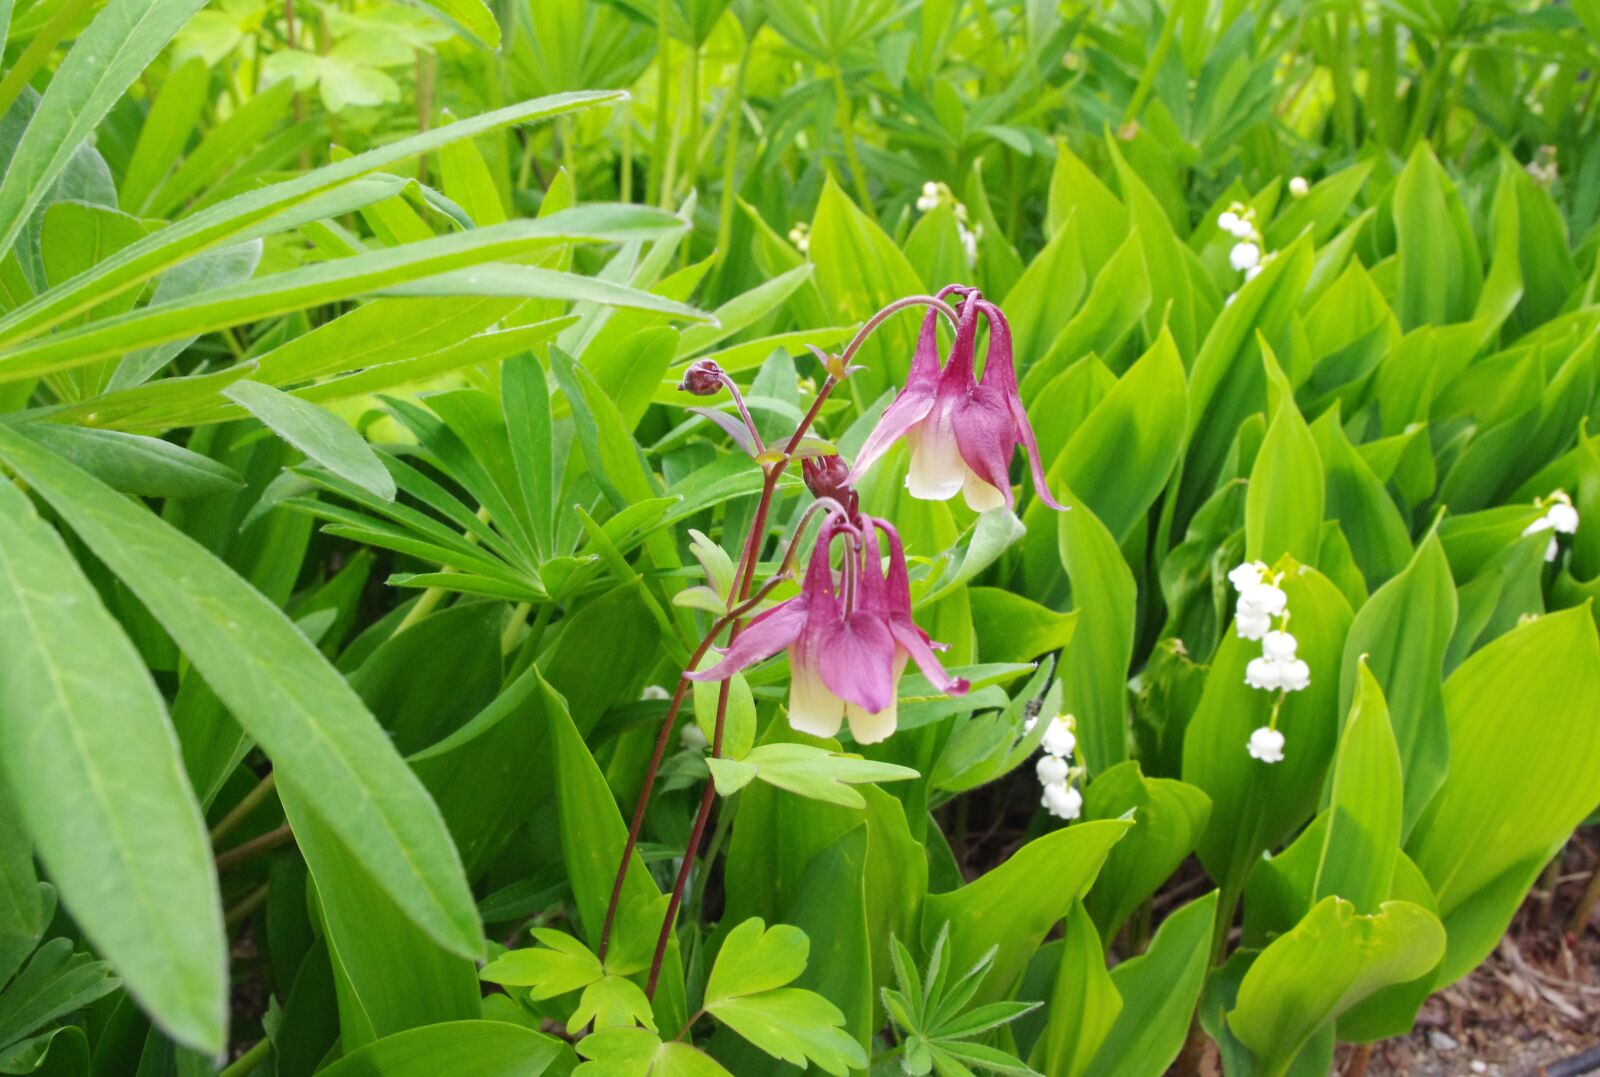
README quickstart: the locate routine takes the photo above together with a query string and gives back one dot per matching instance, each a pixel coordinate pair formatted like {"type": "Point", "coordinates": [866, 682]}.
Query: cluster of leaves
{"type": "Point", "coordinates": [350, 515]}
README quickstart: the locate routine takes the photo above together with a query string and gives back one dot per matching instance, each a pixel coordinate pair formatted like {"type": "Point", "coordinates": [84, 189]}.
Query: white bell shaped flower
{"type": "Point", "coordinates": [1062, 801]}
{"type": "Point", "coordinates": [1246, 575]}
{"type": "Point", "coordinates": [1563, 517]}
{"type": "Point", "coordinates": [1265, 598]}
{"type": "Point", "coordinates": [1052, 770]}
{"type": "Point", "coordinates": [1294, 674]}
{"type": "Point", "coordinates": [1278, 646]}
{"type": "Point", "coordinates": [1228, 220]}
{"type": "Point", "coordinates": [1244, 256]}
{"type": "Point", "coordinates": [1544, 523]}
{"type": "Point", "coordinates": [1250, 623]}
{"type": "Point", "coordinates": [1244, 229]}
{"type": "Point", "coordinates": [693, 738]}
{"type": "Point", "coordinates": [1059, 739]}
{"type": "Point", "coordinates": [1266, 744]}
{"type": "Point", "coordinates": [1298, 187]}
{"type": "Point", "coordinates": [1265, 674]}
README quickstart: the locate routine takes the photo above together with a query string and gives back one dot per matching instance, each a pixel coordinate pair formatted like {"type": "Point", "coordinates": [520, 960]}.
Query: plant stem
{"type": "Point", "coordinates": [252, 901]}
{"type": "Point", "coordinates": [256, 847]}
{"type": "Point", "coordinates": [241, 811]}
{"type": "Point", "coordinates": [247, 1062]}
{"type": "Point", "coordinates": [660, 177]}
{"type": "Point", "coordinates": [730, 152]}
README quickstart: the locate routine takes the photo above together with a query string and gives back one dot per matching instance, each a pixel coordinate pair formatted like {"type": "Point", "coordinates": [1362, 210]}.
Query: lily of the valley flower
{"type": "Point", "coordinates": [847, 645]}
{"type": "Point", "coordinates": [962, 430]}
{"type": "Point", "coordinates": [1266, 744]}
{"type": "Point", "coordinates": [1559, 517]}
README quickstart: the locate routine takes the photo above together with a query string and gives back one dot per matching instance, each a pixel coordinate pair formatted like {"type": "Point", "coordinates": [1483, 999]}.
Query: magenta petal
{"type": "Point", "coordinates": [912, 642]}
{"type": "Point", "coordinates": [1031, 445]}
{"type": "Point", "coordinates": [1000, 372]}
{"type": "Point", "coordinates": [856, 655]}
{"type": "Point", "coordinates": [762, 638]}
{"type": "Point", "coordinates": [986, 433]}
{"type": "Point", "coordinates": [907, 410]}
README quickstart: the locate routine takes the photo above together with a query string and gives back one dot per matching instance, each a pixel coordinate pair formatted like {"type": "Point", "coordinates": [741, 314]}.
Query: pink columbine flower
{"type": "Point", "coordinates": [848, 645]}
{"type": "Point", "coordinates": [962, 431]}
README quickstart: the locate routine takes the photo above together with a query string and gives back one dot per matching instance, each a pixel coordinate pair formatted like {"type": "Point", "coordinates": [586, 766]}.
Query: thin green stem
{"type": "Point", "coordinates": [660, 159]}
{"type": "Point", "coordinates": [254, 849]}
{"type": "Point", "coordinates": [247, 804]}
{"type": "Point", "coordinates": [247, 1062]}
{"type": "Point", "coordinates": [730, 152]}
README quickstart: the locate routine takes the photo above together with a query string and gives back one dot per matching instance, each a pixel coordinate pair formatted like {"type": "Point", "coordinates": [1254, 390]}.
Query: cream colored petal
{"type": "Point", "coordinates": [812, 708]}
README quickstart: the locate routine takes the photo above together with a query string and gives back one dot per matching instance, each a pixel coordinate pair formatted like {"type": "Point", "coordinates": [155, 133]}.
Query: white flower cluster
{"type": "Point", "coordinates": [935, 195]}
{"type": "Point", "coordinates": [1055, 770]}
{"type": "Point", "coordinates": [1239, 221]}
{"type": "Point", "coordinates": [1543, 168]}
{"type": "Point", "coordinates": [1559, 517]}
{"type": "Point", "coordinates": [800, 236]}
{"type": "Point", "coordinates": [1279, 669]}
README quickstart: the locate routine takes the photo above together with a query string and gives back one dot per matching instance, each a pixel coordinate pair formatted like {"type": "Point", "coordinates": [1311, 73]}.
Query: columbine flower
{"type": "Point", "coordinates": [1244, 256]}
{"type": "Point", "coordinates": [1062, 801]}
{"type": "Point", "coordinates": [846, 650]}
{"type": "Point", "coordinates": [1266, 744]}
{"type": "Point", "coordinates": [1298, 187]}
{"type": "Point", "coordinates": [962, 431]}
{"type": "Point", "coordinates": [829, 476]}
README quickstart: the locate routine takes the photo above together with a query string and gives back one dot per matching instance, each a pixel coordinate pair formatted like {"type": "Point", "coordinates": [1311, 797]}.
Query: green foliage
{"type": "Point", "coordinates": [355, 534]}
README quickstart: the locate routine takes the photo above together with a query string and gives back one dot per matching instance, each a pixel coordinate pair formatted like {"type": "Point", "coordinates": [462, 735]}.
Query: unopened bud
{"type": "Point", "coordinates": [703, 378]}
{"type": "Point", "coordinates": [829, 476]}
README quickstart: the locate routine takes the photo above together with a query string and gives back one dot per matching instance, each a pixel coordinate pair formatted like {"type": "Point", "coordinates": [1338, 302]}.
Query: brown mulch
{"type": "Point", "coordinates": [1534, 1002]}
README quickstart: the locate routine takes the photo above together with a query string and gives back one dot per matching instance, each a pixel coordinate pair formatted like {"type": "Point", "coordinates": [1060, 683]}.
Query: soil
{"type": "Point", "coordinates": [1535, 1001]}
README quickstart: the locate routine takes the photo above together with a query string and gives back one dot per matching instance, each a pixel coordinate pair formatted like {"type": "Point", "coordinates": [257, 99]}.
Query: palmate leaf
{"type": "Point", "coordinates": [88, 754]}
{"type": "Point", "coordinates": [805, 770]}
{"type": "Point", "coordinates": [324, 743]}
{"type": "Point", "coordinates": [746, 992]}
{"type": "Point", "coordinates": [321, 435]}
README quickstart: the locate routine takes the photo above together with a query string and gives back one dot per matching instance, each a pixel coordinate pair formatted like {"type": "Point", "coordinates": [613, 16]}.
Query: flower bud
{"type": "Point", "coordinates": [702, 378]}
{"type": "Point", "coordinates": [829, 476]}
{"type": "Point", "coordinates": [1298, 187]}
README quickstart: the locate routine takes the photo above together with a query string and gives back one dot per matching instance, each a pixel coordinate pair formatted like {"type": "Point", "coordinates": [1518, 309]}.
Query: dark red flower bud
{"type": "Point", "coordinates": [829, 476]}
{"type": "Point", "coordinates": [703, 378]}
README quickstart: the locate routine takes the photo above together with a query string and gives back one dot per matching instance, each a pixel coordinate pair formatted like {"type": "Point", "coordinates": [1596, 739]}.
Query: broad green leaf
{"type": "Point", "coordinates": [1096, 662]}
{"type": "Point", "coordinates": [1505, 704]}
{"type": "Point", "coordinates": [1332, 960]}
{"type": "Point", "coordinates": [1084, 1002]}
{"type": "Point", "coordinates": [1439, 268]}
{"type": "Point", "coordinates": [806, 771]}
{"type": "Point", "coordinates": [1379, 539]}
{"type": "Point", "coordinates": [1168, 818]}
{"type": "Point", "coordinates": [1363, 837]}
{"type": "Point", "coordinates": [1256, 805]}
{"type": "Point", "coordinates": [1404, 630]}
{"type": "Point", "coordinates": [124, 37]}
{"type": "Point", "coordinates": [1174, 306]}
{"type": "Point", "coordinates": [282, 690]}
{"type": "Point", "coordinates": [1008, 908]}
{"type": "Point", "coordinates": [488, 1048]}
{"type": "Point", "coordinates": [1159, 989]}
{"type": "Point", "coordinates": [321, 435]}
{"type": "Point", "coordinates": [1284, 502]}
{"type": "Point", "coordinates": [90, 759]}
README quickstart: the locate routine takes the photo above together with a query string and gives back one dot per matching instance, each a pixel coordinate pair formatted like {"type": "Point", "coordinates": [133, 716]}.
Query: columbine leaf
{"type": "Point", "coordinates": [795, 1025]}
{"type": "Point", "coordinates": [806, 771]}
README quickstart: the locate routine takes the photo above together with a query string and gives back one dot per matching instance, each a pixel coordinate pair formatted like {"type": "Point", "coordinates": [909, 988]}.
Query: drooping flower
{"type": "Point", "coordinates": [1298, 187]}
{"type": "Point", "coordinates": [1051, 769]}
{"type": "Point", "coordinates": [1266, 744]}
{"type": "Point", "coordinates": [1062, 801]}
{"type": "Point", "coordinates": [829, 476]}
{"type": "Point", "coordinates": [847, 646]}
{"type": "Point", "coordinates": [962, 430]}
{"type": "Point", "coordinates": [1244, 256]}
{"type": "Point", "coordinates": [1560, 518]}
{"type": "Point", "coordinates": [1059, 738]}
